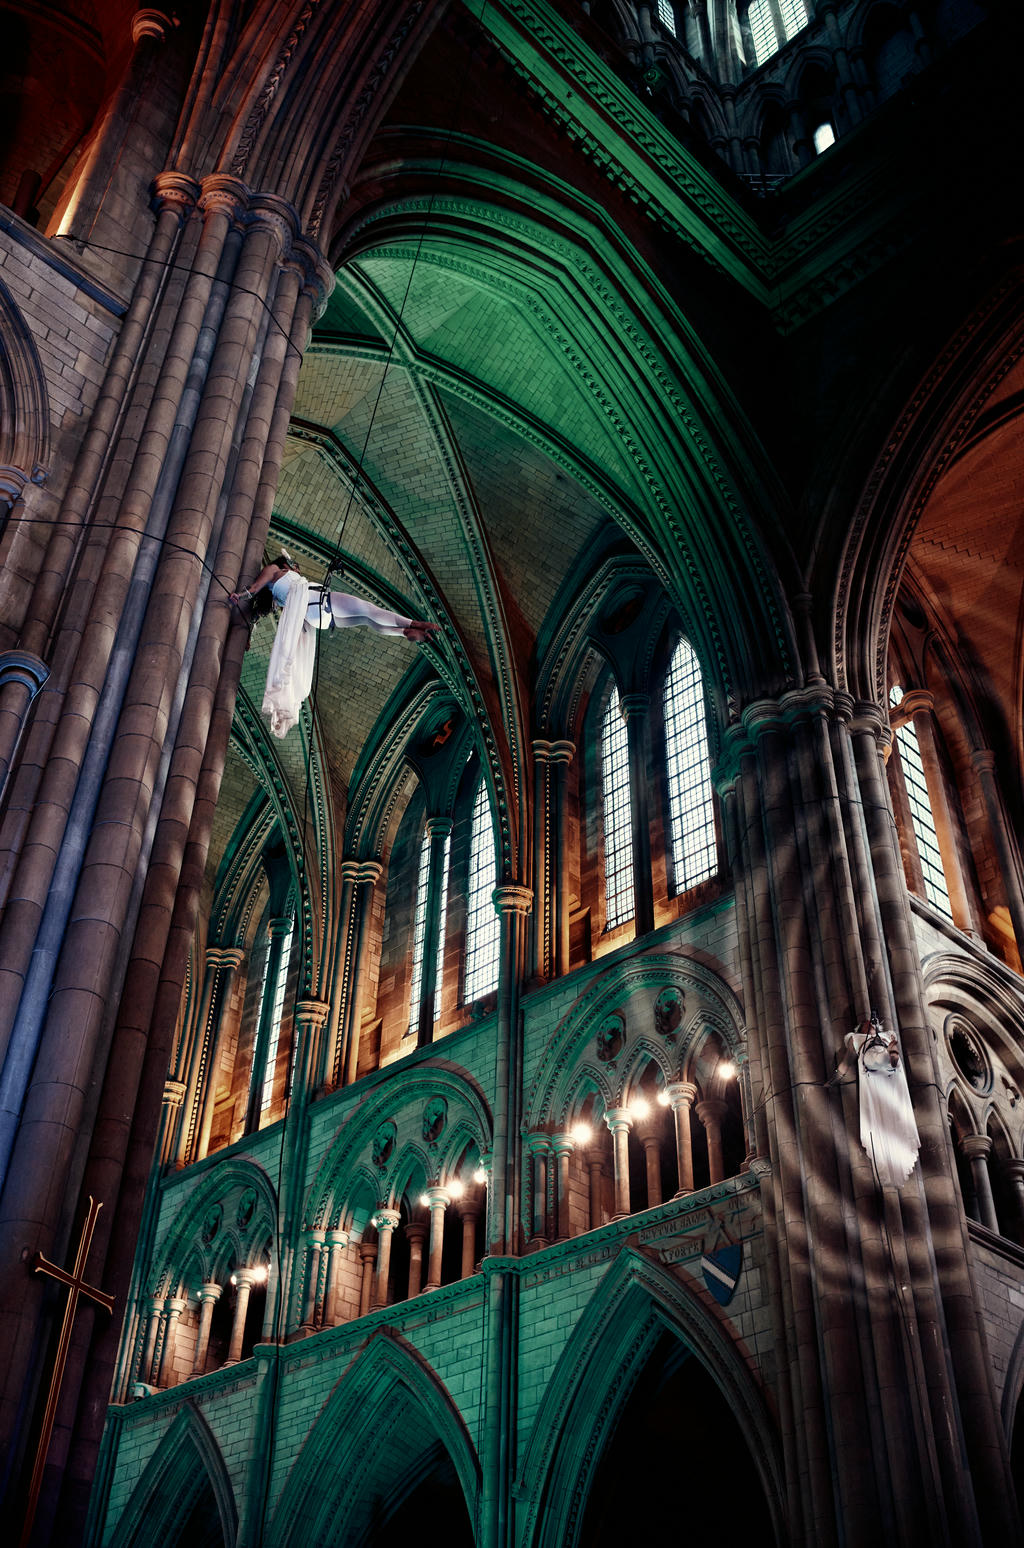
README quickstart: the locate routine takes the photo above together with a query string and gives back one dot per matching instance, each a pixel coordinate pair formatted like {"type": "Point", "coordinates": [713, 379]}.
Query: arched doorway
{"type": "Point", "coordinates": [675, 1423]}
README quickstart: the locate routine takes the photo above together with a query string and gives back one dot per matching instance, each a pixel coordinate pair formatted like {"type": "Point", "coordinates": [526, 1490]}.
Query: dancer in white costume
{"type": "Point", "coordinates": [293, 654]}
{"type": "Point", "coordinates": [887, 1128]}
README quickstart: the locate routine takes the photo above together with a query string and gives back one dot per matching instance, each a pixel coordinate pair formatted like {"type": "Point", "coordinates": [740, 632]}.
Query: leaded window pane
{"type": "Point", "coordinates": [693, 844]}
{"type": "Point", "coordinates": [482, 923]}
{"type": "Point", "coordinates": [618, 821]}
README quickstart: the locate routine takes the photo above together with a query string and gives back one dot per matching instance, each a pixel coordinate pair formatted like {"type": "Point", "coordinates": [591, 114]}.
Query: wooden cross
{"type": "Point", "coordinates": [77, 1287]}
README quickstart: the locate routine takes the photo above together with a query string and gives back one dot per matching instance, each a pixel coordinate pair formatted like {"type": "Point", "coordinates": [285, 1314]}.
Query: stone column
{"type": "Point", "coordinates": [307, 1027]}
{"type": "Point", "coordinates": [595, 1173]}
{"type": "Point", "coordinates": [468, 1213]}
{"type": "Point", "coordinates": [634, 707]}
{"type": "Point", "coordinates": [415, 1235]}
{"type": "Point", "coordinates": [209, 1295]}
{"type": "Point", "coordinates": [711, 1112]}
{"type": "Point", "coordinates": [983, 762]}
{"type": "Point", "coordinates": [1013, 1170]}
{"type": "Point", "coordinates": [244, 1281]}
{"type": "Point", "coordinates": [336, 1241]}
{"type": "Point", "coordinates": [513, 904]}
{"type": "Point", "coordinates": [681, 1095]}
{"type": "Point", "coordinates": [194, 753]}
{"type": "Point", "coordinates": [802, 146]}
{"type": "Point", "coordinates": [977, 1148]}
{"type": "Point", "coordinates": [652, 1162]}
{"type": "Point", "coordinates": [147, 1359]}
{"type": "Point", "coordinates": [438, 829]}
{"type": "Point", "coordinates": [170, 1117]}
{"type": "Point", "coordinates": [563, 1146]}
{"type": "Point", "coordinates": [385, 1220]}
{"type": "Point", "coordinates": [21, 676]}
{"type": "Point", "coordinates": [221, 963]}
{"type": "Point", "coordinates": [314, 1252]}
{"type": "Point", "coordinates": [844, 74]}
{"type": "Point", "coordinates": [366, 878]}
{"type": "Point", "coordinates": [562, 753]}
{"type": "Point", "coordinates": [539, 1146]}
{"type": "Point", "coordinates": [76, 214]}
{"type": "Point", "coordinates": [344, 986]}
{"type": "Point", "coordinates": [279, 931]}
{"type": "Point", "coordinates": [543, 861]}
{"type": "Point", "coordinates": [919, 705]}
{"type": "Point", "coordinates": [619, 1121]}
{"type": "Point", "coordinates": [439, 1199]}
{"type": "Point", "coordinates": [367, 1258]}
{"type": "Point", "coordinates": [173, 1308]}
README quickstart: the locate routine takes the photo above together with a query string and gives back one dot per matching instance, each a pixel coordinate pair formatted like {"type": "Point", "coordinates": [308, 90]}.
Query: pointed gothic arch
{"type": "Point", "coordinates": [389, 1404]}
{"type": "Point", "coordinates": [713, 1009]}
{"type": "Point", "coordinates": [636, 1303]}
{"type": "Point", "coordinates": [939, 415]}
{"type": "Point", "coordinates": [185, 1481]}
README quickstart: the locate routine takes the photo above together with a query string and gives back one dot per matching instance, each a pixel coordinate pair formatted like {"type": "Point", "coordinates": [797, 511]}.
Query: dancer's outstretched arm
{"type": "Point", "coordinates": [267, 576]}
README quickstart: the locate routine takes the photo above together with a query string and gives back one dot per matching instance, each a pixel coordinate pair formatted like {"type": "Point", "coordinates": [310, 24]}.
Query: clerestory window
{"type": "Point", "coordinates": [693, 848]}
{"type": "Point", "coordinates": [921, 818]}
{"type": "Point", "coordinates": [771, 23]}
{"type": "Point", "coordinates": [482, 924]}
{"type": "Point", "coordinates": [420, 945]}
{"type": "Point", "coordinates": [615, 793]}
{"type": "Point", "coordinates": [276, 989]}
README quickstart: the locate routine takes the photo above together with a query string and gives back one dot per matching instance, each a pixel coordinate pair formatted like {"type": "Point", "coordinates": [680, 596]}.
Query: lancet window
{"type": "Point", "coordinates": [693, 849]}
{"type": "Point", "coordinates": [771, 23]}
{"type": "Point", "coordinates": [922, 817]}
{"type": "Point", "coordinates": [482, 926]}
{"type": "Point", "coordinates": [617, 809]}
{"type": "Point", "coordinates": [420, 945]}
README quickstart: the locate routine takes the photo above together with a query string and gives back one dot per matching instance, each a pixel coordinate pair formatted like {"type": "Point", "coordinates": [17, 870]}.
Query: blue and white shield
{"type": "Point", "coordinates": [721, 1270]}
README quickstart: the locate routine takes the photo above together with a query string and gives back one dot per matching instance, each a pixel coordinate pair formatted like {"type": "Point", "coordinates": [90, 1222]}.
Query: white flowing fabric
{"type": "Point", "coordinates": [887, 1128]}
{"type": "Point", "coordinates": [293, 654]}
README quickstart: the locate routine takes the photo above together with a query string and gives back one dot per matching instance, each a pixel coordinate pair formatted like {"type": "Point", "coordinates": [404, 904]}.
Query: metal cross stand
{"type": "Point", "coordinates": [77, 1287]}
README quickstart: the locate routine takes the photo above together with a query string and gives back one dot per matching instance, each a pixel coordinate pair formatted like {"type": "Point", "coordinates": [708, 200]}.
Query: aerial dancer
{"type": "Point", "coordinates": [293, 654]}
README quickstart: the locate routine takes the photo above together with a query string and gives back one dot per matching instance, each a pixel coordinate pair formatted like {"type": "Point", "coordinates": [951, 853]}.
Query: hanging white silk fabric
{"type": "Point", "coordinates": [888, 1131]}
{"type": "Point", "coordinates": [292, 657]}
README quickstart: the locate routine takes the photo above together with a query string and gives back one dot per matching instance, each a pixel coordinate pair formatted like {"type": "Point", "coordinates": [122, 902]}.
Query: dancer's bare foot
{"type": "Point", "coordinates": [419, 632]}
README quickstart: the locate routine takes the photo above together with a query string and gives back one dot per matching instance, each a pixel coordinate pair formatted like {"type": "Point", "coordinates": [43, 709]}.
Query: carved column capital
{"type": "Point", "coordinates": [152, 24]}
{"type": "Point", "coordinates": [176, 190]}
{"type": "Point", "coordinates": [634, 705]}
{"type": "Point", "coordinates": [385, 1220]}
{"type": "Point", "coordinates": [618, 1118]}
{"type": "Point", "coordinates": [681, 1093]}
{"type": "Point", "coordinates": [916, 701]}
{"type": "Point", "coordinates": [312, 1013]}
{"type": "Point", "coordinates": [510, 898]}
{"type": "Point", "coordinates": [223, 956]}
{"type": "Point", "coordinates": [227, 194]}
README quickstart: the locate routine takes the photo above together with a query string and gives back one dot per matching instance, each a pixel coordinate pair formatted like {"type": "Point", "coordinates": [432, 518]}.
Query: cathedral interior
{"type": "Point", "coordinates": [590, 1043]}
